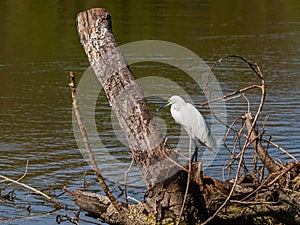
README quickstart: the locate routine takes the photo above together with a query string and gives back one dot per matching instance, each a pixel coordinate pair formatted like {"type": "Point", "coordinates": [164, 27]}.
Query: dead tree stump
{"type": "Point", "coordinates": [124, 95]}
{"type": "Point", "coordinates": [245, 199]}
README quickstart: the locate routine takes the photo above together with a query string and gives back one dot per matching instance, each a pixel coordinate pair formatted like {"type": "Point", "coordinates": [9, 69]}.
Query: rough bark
{"type": "Point", "coordinates": [263, 154]}
{"type": "Point", "coordinates": [124, 95]}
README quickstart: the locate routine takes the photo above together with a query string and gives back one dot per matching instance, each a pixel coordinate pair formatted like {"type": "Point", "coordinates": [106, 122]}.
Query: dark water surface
{"type": "Point", "coordinates": [39, 45]}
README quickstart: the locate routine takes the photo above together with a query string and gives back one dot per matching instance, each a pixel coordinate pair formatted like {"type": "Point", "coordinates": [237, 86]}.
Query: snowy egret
{"type": "Point", "coordinates": [192, 121]}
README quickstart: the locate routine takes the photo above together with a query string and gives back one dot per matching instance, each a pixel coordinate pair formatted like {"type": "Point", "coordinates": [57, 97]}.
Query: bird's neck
{"type": "Point", "coordinates": [177, 107]}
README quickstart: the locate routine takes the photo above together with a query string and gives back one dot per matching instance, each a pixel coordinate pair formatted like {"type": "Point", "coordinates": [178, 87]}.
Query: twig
{"type": "Point", "coordinates": [25, 173]}
{"type": "Point", "coordinates": [281, 149]}
{"type": "Point", "coordinates": [281, 174]}
{"type": "Point", "coordinates": [134, 199]}
{"type": "Point", "coordinates": [23, 218]}
{"type": "Point", "coordinates": [267, 180]}
{"type": "Point", "coordinates": [247, 100]}
{"type": "Point", "coordinates": [188, 181]}
{"type": "Point", "coordinates": [233, 186]}
{"type": "Point", "coordinates": [165, 154]}
{"type": "Point", "coordinates": [223, 173]}
{"type": "Point", "coordinates": [254, 164]}
{"type": "Point", "coordinates": [264, 125]}
{"type": "Point", "coordinates": [251, 65]}
{"type": "Point", "coordinates": [57, 204]}
{"type": "Point", "coordinates": [232, 94]}
{"type": "Point", "coordinates": [237, 138]}
{"type": "Point", "coordinates": [88, 148]}
{"type": "Point", "coordinates": [227, 133]}
{"type": "Point", "coordinates": [180, 154]}
{"type": "Point", "coordinates": [75, 220]}
{"type": "Point", "coordinates": [263, 93]}
{"type": "Point", "coordinates": [271, 166]}
{"type": "Point", "coordinates": [250, 130]}
{"type": "Point", "coordinates": [233, 97]}
{"type": "Point", "coordinates": [258, 188]}
{"type": "Point", "coordinates": [252, 203]}
{"type": "Point", "coordinates": [125, 178]}
{"type": "Point", "coordinates": [84, 181]}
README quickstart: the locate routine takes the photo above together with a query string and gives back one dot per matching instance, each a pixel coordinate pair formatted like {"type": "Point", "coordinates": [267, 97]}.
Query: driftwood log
{"type": "Point", "coordinates": [245, 199]}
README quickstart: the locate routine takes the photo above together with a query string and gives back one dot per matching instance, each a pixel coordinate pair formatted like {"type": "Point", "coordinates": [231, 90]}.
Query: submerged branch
{"type": "Point", "coordinates": [57, 204]}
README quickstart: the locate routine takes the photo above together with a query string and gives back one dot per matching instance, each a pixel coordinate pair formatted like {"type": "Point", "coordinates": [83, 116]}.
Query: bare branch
{"type": "Point", "coordinates": [88, 148]}
{"type": "Point", "coordinates": [281, 149]}
{"type": "Point", "coordinates": [187, 182]}
{"type": "Point", "coordinates": [125, 178]}
{"type": "Point", "coordinates": [57, 204]}
{"type": "Point", "coordinates": [232, 94]}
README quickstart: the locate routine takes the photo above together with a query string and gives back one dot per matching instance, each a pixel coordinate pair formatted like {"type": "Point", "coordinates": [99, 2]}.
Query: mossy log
{"type": "Point", "coordinates": [206, 194]}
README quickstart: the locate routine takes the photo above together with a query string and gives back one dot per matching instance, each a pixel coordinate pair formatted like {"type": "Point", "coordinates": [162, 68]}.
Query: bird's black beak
{"type": "Point", "coordinates": [162, 106]}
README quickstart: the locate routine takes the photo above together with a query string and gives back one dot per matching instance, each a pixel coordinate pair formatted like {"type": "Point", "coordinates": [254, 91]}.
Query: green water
{"type": "Point", "coordinates": [39, 45]}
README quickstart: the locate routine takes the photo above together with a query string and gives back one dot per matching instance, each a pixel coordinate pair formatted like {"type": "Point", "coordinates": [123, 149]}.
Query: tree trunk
{"type": "Point", "coordinates": [124, 95]}
{"type": "Point", "coordinates": [127, 100]}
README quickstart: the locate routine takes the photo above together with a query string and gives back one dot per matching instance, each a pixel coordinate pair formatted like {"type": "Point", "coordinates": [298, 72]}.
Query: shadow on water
{"type": "Point", "coordinates": [39, 45]}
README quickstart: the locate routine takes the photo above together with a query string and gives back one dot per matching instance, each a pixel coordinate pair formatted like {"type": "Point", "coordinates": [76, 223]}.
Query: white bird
{"type": "Point", "coordinates": [192, 121]}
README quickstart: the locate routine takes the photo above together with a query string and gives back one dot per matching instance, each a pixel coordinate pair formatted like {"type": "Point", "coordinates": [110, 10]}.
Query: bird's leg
{"type": "Point", "coordinates": [195, 154]}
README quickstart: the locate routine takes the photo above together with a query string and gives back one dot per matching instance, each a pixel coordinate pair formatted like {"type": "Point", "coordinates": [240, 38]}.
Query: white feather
{"type": "Point", "coordinates": [192, 121]}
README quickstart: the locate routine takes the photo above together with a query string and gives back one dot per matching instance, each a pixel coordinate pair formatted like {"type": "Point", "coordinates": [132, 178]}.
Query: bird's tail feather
{"type": "Point", "coordinates": [211, 143]}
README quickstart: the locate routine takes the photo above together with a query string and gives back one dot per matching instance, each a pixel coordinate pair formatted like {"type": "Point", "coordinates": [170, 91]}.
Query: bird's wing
{"type": "Point", "coordinates": [194, 124]}
{"type": "Point", "coordinates": [198, 126]}
{"type": "Point", "coordinates": [195, 121]}
{"type": "Point", "coordinates": [176, 115]}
